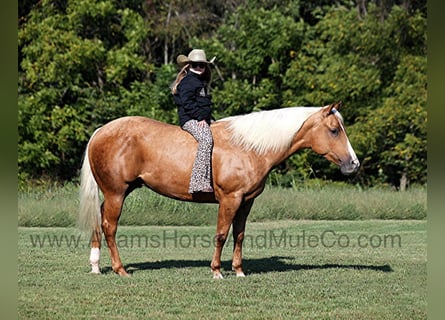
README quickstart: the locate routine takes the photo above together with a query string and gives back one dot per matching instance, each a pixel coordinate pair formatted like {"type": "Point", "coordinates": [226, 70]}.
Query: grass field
{"type": "Point", "coordinates": [370, 269]}
{"type": "Point", "coordinates": [58, 206]}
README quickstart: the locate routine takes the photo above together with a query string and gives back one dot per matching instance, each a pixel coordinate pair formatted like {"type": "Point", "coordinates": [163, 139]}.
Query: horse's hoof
{"type": "Point", "coordinates": [123, 274]}
{"type": "Point", "coordinates": [95, 269]}
{"type": "Point", "coordinates": [218, 275]}
{"type": "Point", "coordinates": [240, 275]}
{"type": "Point", "coordinates": [121, 271]}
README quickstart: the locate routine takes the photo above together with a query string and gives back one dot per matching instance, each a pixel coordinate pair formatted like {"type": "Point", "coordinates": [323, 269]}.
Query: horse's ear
{"type": "Point", "coordinates": [328, 110]}
{"type": "Point", "coordinates": [338, 105]}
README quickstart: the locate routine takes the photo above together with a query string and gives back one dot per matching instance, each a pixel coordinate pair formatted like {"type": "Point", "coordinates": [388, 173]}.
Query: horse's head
{"type": "Point", "coordinates": [329, 139]}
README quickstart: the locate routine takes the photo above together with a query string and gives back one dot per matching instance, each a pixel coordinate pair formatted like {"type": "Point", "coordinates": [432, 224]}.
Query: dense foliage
{"type": "Point", "coordinates": [85, 62]}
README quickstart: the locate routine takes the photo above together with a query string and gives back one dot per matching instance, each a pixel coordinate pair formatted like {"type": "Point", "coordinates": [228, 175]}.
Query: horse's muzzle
{"type": "Point", "coordinates": [350, 167]}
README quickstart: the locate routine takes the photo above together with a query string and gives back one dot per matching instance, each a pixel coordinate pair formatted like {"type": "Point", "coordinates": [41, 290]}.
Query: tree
{"type": "Point", "coordinates": [360, 60]}
{"type": "Point", "coordinates": [174, 24]}
{"type": "Point", "coordinates": [84, 63]}
{"type": "Point", "coordinates": [392, 140]}
{"type": "Point", "coordinates": [253, 49]}
{"type": "Point", "coordinates": [78, 58]}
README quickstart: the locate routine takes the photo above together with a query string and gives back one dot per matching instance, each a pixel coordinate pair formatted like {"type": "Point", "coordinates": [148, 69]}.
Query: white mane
{"type": "Point", "coordinates": [271, 130]}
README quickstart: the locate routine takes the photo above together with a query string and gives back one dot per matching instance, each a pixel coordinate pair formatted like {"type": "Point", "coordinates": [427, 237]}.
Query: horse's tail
{"type": "Point", "coordinates": [89, 209]}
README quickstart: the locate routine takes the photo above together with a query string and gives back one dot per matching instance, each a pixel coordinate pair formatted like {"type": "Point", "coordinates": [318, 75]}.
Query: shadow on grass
{"type": "Point", "coordinates": [251, 266]}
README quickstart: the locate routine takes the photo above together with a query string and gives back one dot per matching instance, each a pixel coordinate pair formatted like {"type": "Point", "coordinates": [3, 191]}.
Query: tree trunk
{"type": "Point", "coordinates": [167, 22]}
{"type": "Point", "coordinates": [403, 182]}
{"type": "Point", "coordinates": [361, 7]}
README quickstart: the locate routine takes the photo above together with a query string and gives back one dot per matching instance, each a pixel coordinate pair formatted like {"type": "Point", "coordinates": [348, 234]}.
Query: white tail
{"type": "Point", "coordinates": [89, 209]}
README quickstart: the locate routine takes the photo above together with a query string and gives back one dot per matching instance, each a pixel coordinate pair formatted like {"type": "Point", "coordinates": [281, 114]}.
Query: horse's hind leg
{"type": "Point", "coordinates": [239, 225]}
{"type": "Point", "coordinates": [96, 238]}
{"type": "Point", "coordinates": [111, 211]}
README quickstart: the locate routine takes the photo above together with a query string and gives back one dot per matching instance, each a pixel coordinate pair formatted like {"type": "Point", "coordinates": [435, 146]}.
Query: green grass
{"type": "Point", "coordinates": [171, 278]}
{"type": "Point", "coordinates": [57, 206]}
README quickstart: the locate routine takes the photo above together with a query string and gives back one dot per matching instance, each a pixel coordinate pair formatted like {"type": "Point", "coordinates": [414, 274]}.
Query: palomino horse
{"type": "Point", "coordinates": [130, 152]}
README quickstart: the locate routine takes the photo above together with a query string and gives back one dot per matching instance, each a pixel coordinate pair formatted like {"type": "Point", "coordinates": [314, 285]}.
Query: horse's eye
{"type": "Point", "coordinates": [334, 132]}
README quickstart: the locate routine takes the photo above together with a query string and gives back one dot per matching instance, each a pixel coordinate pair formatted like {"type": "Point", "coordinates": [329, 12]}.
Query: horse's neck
{"type": "Point", "coordinates": [270, 158]}
{"type": "Point", "coordinates": [300, 141]}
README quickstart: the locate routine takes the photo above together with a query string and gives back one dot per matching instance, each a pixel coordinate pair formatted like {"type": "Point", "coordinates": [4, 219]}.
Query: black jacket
{"type": "Point", "coordinates": [193, 99]}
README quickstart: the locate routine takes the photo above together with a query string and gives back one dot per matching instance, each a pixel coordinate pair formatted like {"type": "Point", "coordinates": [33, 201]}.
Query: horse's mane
{"type": "Point", "coordinates": [270, 130]}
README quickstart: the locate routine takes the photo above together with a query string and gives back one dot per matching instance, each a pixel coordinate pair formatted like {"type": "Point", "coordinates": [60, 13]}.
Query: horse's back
{"type": "Point", "coordinates": [134, 125]}
{"type": "Point", "coordinates": [136, 129]}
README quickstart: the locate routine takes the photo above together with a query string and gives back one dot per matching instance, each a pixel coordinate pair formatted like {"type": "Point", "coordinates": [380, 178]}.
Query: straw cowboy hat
{"type": "Point", "coordinates": [196, 55]}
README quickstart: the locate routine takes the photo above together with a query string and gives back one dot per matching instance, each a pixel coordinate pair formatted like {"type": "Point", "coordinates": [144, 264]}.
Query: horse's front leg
{"type": "Point", "coordinates": [239, 225]}
{"type": "Point", "coordinates": [228, 206]}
